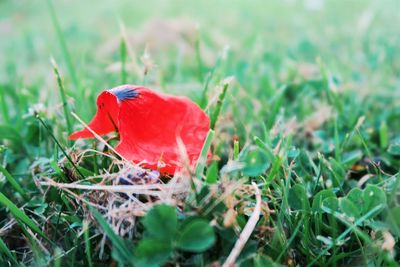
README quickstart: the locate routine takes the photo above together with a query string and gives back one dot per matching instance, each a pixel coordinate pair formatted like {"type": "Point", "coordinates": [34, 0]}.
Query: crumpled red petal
{"type": "Point", "coordinates": [149, 124]}
{"type": "Point", "coordinates": [106, 119]}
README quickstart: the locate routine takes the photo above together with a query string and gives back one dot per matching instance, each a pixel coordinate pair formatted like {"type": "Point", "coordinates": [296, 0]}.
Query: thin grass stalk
{"type": "Point", "coordinates": [201, 163]}
{"type": "Point", "coordinates": [64, 48]}
{"type": "Point", "coordinates": [61, 88]}
{"type": "Point", "coordinates": [217, 110]}
{"type": "Point", "coordinates": [60, 146]}
{"type": "Point", "coordinates": [122, 52]}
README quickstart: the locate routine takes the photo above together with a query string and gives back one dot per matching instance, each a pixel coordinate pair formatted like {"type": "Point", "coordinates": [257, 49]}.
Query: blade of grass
{"type": "Point", "coordinates": [14, 183]}
{"type": "Point", "coordinates": [198, 58]}
{"type": "Point", "coordinates": [4, 107]}
{"type": "Point", "coordinates": [217, 109]}
{"type": "Point", "coordinates": [337, 142]}
{"type": "Point", "coordinates": [64, 48]}
{"type": "Point", "coordinates": [87, 243]}
{"type": "Point", "coordinates": [369, 153]}
{"type": "Point", "coordinates": [291, 239]}
{"type": "Point", "coordinates": [332, 96]}
{"type": "Point", "coordinates": [62, 94]}
{"type": "Point", "coordinates": [122, 53]}
{"type": "Point", "coordinates": [351, 227]}
{"type": "Point", "coordinates": [383, 135]}
{"type": "Point", "coordinates": [58, 221]}
{"type": "Point", "coordinates": [59, 145]}
{"type": "Point", "coordinates": [210, 75]}
{"type": "Point", "coordinates": [261, 144]}
{"type": "Point", "coordinates": [59, 172]}
{"type": "Point", "coordinates": [204, 98]}
{"type": "Point", "coordinates": [21, 216]}
{"type": "Point", "coordinates": [57, 257]}
{"type": "Point", "coordinates": [236, 150]}
{"type": "Point", "coordinates": [118, 243]}
{"type": "Point", "coordinates": [392, 196]}
{"type": "Point", "coordinates": [6, 251]}
{"type": "Point", "coordinates": [201, 162]}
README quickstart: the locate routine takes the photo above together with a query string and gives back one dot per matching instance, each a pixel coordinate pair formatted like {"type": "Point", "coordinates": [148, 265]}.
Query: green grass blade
{"type": "Point", "coordinates": [217, 109]}
{"type": "Point", "coordinates": [6, 251]}
{"type": "Point", "coordinates": [63, 96]}
{"type": "Point", "coordinates": [204, 98]}
{"type": "Point", "coordinates": [199, 60]}
{"type": "Point", "coordinates": [338, 152]}
{"type": "Point", "coordinates": [383, 135]}
{"type": "Point", "coordinates": [261, 144]}
{"type": "Point", "coordinates": [122, 52]}
{"type": "Point", "coordinates": [291, 239]}
{"type": "Point", "coordinates": [14, 183]}
{"type": "Point", "coordinates": [21, 216]}
{"type": "Point", "coordinates": [351, 227]}
{"type": "Point", "coordinates": [64, 48]}
{"type": "Point", "coordinates": [59, 172]}
{"type": "Point", "coordinates": [88, 250]}
{"type": "Point", "coordinates": [201, 163]}
{"type": "Point", "coordinates": [4, 107]}
{"type": "Point", "coordinates": [60, 146]}
{"type": "Point", "coordinates": [118, 244]}
{"type": "Point", "coordinates": [57, 257]}
{"type": "Point", "coordinates": [236, 149]}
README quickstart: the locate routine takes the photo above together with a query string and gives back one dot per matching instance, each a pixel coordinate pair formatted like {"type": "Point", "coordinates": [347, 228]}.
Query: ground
{"type": "Point", "coordinates": [310, 118]}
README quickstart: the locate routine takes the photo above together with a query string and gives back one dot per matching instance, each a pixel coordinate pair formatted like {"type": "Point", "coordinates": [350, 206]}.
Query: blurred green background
{"type": "Point", "coordinates": [357, 37]}
{"type": "Point", "coordinates": [317, 80]}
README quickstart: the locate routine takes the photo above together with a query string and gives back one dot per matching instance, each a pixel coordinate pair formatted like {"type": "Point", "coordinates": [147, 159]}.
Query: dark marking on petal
{"type": "Point", "coordinates": [124, 93]}
{"type": "Point", "coordinates": [113, 122]}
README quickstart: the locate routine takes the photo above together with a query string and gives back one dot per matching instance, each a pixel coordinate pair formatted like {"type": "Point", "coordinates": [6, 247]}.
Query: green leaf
{"type": "Point", "coordinates": [152, 252]}
{"type": "Point", "coordinates": [356, 196]}
{"type": "Point", "coordinates": [21, 216]}
{"type": "Point", "coordinates": [332, 203]}
{"type": "Point", "coordinates": [161, 222]}
{"type": "Point", "coordinates": [293, 152]}
{"type": "Point", "coordinates": [255, 161]}
{"type": "Point", "coordinates": [320, 197]}
{"type": "Point", "coordinates": [373, 196]}
{"type": "Point", "coordinates": [349, 208]}
{"type": "Point", "coordinates": [359, 202]}
{"type": "Point", "coordinates": [352, 157]}
{"type": "Point", "coordinates": [338, 172]}
{"type": "Point", "coordinates": [394, 149]}
{"type": "Point", "coordinates": [298, 198]}
{"type": "Point", "coordinates": [120, 250]}
{"type": "Point", "coordinates": [394, 221]}
{"type": "Point", "coordinates": [196, 236]}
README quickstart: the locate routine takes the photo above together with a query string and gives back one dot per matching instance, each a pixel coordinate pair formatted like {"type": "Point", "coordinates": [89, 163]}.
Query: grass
{"type": "Point", "coordinates": [311, 116]}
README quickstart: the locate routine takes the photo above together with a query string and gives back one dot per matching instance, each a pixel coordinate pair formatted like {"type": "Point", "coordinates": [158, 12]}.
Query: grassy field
{"type": "Point", "coordinates": [307, 137]}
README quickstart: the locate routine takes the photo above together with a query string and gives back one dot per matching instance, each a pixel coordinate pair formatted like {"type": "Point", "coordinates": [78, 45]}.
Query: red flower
{"type": "Point", "coordinates": [149, 124]}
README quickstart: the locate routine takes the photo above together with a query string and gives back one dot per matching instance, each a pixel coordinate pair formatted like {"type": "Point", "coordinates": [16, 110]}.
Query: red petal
{"type": "Point", "coordinates": [151, 123]}
{"type": "Point", "coordinates": [105, 120]}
